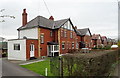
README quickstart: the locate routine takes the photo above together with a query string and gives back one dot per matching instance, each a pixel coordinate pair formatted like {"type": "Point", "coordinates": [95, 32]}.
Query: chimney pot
{"type": "Point", "coordinates": [51, 18]}
{"type": "Point", "coordinates": [75, 27]}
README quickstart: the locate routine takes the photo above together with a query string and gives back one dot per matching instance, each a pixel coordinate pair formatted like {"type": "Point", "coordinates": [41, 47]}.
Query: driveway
{"type": "Point", "coordinates": [11, 69]}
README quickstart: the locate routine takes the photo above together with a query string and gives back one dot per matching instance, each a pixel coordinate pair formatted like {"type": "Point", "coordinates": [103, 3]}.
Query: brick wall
{"type": "Point", "coordinates": [47, 38]}
{"type": "Point", "coordinates": [67, 40]}
{"type": "Point", "coordinates": [28, 42]}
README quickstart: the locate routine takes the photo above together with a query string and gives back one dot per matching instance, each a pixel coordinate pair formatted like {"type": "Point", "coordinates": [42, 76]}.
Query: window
{"type": "Point", "coordinates": [77, 45]}
{"type": "Point", "coordinates": [16, 46]}
{"type": "Point", "coordinates": [56, 47]}
{"type": "Point", "coordinates": [63, 46]}
{"type": "Point", "coordinates": [71, 35]}
{"type": "Point", "coordinates": [61, 33]}
{"type": "Point", "coordinates": [65, 33]}
{"type": "Point", "coordinates": [67, 45]}
{"type": "Point", "coordinates": [72, 45]}
{"type": "Point", "coordinates": [51, 33]}
{"type": "Point", "coordinates": [42, 38]}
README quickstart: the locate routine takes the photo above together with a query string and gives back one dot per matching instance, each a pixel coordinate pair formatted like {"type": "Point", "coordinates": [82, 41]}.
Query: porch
{"type": "Point", "coordinates": [52, 49]}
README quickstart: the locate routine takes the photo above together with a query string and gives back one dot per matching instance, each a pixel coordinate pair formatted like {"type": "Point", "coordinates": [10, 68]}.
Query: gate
{"type": "Point", "coordinates": [56, 66]}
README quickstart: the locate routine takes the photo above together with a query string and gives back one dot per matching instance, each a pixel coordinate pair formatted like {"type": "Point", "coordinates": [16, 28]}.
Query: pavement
{"type": "Point", "coordinates": [11, 70]}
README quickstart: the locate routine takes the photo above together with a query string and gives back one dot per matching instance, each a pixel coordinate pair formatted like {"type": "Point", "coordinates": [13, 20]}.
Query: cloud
{"type": "Point", "coordinates": [98, 15]}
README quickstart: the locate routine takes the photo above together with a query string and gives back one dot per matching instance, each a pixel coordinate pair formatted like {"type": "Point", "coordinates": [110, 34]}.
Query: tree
{"type": "Point", "coordinates": [5, 16]}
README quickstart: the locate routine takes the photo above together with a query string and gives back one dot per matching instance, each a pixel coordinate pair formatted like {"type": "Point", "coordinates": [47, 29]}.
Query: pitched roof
{"type": "Point", "coordinates": [41, 21]}
{"type": "Point", "coordinates": [96, 36]}
{"type": "Point", "coordinates": [83, 31]}
{"type": "Point", "coordinates": [104, 37]}
{"type": "Point", "coordinates": [109, 40]}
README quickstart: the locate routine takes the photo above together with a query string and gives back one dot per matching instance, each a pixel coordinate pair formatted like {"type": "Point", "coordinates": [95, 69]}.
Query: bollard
{"type": "Point", "coordinates": [45, 71]}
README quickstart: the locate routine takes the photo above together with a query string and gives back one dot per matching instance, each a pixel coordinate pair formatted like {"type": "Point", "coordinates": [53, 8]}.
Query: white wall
{"type": "Point", "coordinates": [17, 54]}
{"type": "Point", "coordinates": [29, 33]}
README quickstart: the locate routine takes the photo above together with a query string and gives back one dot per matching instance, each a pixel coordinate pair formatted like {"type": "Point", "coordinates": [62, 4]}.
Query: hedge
{"type": "Point", "coordinates": [89, 64]}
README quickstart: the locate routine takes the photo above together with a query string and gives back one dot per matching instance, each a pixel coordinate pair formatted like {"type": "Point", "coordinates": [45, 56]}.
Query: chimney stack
{"type": "Point", "coordinates": [51, 18]}
{"type": "Point", "coordinates": [75, 27]}
{"type": "Point", "coordinates": [24, 17]}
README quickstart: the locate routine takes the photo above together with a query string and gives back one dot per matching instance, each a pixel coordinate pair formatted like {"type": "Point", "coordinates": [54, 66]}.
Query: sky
{"type": "Point", "coordinates": [101, 16]}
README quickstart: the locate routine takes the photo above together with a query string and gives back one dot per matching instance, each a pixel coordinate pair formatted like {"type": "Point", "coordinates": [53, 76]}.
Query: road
{"type": "Point", "coordinates": [11, 69]}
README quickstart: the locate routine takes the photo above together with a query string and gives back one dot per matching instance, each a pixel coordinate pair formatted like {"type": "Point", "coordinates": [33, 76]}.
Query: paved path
{"type": "Point", "coordinates": [11, 69]}
{"type": "Point", "coordinates": [32, 62]}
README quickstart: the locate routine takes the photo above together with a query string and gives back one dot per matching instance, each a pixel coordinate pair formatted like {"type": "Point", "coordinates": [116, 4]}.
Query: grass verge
{"type": "Point", "coordinates": [39, 67]}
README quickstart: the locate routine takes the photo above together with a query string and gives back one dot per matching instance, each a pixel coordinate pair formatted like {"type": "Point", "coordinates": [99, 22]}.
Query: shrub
{"type": "Point", "coordinates": [91, 65]}
{"type": "Point", "coordinates": [107, 47]}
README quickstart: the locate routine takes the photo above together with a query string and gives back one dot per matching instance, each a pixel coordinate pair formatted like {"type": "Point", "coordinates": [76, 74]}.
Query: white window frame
{"type": "Point", "coordinates": [71, 35]}
{"type": "Point", "coordinates": [73, 45]}
{"type": "Point", "coordinates": [16, 46]}
{"type": "Point", "coordinates": [51, 33]}
{"type": "Point", "coordinates": [65, 33]}
{"type": "Point", "coordinates": [42, 38]}
{"type": "Point", "coordinates": [63, 44]}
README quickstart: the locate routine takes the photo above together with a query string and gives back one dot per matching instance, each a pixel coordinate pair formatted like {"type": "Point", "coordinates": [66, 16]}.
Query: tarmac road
{"type": "Point", "coordinates": [11, 70]}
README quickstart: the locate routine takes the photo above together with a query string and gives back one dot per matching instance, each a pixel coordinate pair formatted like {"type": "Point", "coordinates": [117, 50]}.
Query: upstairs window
{"type": "Point", "coordinates": [65, 33]}
{"type": "Point", "coordinates": [16, 46]}
{"type": "Point", "coordinates": [42, 38]}
{"type": "Point", "coordinates": [51, 33]}
{"type": "Point", "coordinates": [71, 35]}
{"type": "Point", "coordinates": [61, 33]}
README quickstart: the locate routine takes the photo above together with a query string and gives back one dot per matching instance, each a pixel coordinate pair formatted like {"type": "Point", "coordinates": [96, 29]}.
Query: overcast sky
{"type": "Point", "coordinates": [101, 16]}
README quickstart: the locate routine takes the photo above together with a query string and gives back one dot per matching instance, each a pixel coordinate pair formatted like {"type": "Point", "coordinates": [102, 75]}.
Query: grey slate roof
{"type": "Point", "coordinates": [41, 21]}
{"type": "Point", "coordinates": [109, 40]}
{"type": "Point", "coordinates": [83, 32]}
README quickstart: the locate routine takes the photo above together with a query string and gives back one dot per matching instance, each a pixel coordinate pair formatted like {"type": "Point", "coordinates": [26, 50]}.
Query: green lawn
{"type": "Point", "coordinates": [39, 67]}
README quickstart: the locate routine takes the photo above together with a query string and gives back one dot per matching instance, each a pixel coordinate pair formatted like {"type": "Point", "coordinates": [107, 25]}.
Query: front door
{"type": "Point", "coordinates": [32, 50]}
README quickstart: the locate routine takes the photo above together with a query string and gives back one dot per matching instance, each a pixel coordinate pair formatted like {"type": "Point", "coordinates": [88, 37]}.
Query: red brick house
{"type": "Point", "coordinates": [104, 41]}
{"type": "Point", "coordinates": [48, 37]}
{"type": "Point", "coordinates": [96, 40]}
{"type": "Point", "coordinates": [111, 42]}
{"type": "Point", "coordinates": [42, 37]}
{"type": "Point", "coordinates": [84, 36]}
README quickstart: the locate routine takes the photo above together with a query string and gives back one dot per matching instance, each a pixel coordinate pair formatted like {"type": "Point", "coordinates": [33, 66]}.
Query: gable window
{"type": "Point", "coordinates": [61, 33]}
{"type": "Point", "coordinates": [71, 35]}
{"type": "Point", "coordinates": [65, 33]}
{"type": "Point", "coordinates": [16, 46]}
{"type": "Point", "coordinates": [42, 38]}
{"type": "Point", "coordinates": [63, 46]}
{"type": "Point", "coordinates": [51, 33]}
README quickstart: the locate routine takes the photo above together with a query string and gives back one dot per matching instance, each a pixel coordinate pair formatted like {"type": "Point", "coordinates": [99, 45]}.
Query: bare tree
{"type": "Point", "coordinates": [5, 16]}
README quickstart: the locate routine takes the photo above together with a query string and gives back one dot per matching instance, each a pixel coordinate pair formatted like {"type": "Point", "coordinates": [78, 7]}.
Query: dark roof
{"type": "Point", "coordinates": [83, 32]}
{"type": "Point", "coordinates": [104, 37]}
{"type": "Point", "coordinates": [41, 21]}
{"type": "Point", "coordinates": [109, 40]}
{"type": "Point", "coordinates": [96, 36]}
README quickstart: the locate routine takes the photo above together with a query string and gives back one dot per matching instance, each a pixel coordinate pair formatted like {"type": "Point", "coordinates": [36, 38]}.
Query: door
{"type": "Point", "coordinates": [32, 50]}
